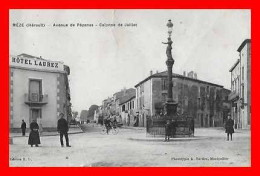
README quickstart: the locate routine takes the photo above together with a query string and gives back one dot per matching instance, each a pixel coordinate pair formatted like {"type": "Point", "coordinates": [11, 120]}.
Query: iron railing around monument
{"type": "Point", "coordinates": [181, 126]}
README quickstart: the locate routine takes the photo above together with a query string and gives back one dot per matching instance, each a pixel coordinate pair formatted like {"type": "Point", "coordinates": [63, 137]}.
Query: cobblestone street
{"type": "Point", "coordinates": [131, 147]}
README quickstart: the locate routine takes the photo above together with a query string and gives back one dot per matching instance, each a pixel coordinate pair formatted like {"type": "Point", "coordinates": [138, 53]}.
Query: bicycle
{"type": "Point", "coordinates": [112, 129]}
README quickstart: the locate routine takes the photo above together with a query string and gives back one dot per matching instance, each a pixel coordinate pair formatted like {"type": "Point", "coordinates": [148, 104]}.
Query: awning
{"type": "Point", "coordinates": [233, 96]}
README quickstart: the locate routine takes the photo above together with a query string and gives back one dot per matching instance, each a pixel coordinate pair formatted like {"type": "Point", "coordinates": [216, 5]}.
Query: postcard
{"type": "Point", "coordinates": [130, 87]}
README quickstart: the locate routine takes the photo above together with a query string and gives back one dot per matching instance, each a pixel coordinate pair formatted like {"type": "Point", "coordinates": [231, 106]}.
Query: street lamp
{"type": "Point", "coordinates": [170, 27]}
{"type": "Point", "coordinates": [170, 105]}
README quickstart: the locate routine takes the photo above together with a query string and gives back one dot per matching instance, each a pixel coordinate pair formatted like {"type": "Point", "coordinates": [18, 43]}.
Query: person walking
{"type": "Point", "coordinates": [136, 119]}
{"type": "Point", "coordinates": [229, 126]}
{"type": "Point", "coordinates": [192, 126]}
{"type": "Point", "coordinates": [108, 124]}
{"type": "Point", "coordinates": [128, 119]}
{"type": "Point", "coordinates": [34, 137]}
{"type": "Point", "coordinates": [63, 128]}
{"type": "Point", "coordinates": [173, 127]}
{"type": "Point", "coordinates": [23, 127]}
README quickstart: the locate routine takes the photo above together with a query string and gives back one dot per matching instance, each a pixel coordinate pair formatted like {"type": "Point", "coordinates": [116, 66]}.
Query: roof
{"type": "Point", "coordinates": [126, 99]}
{"type": "Point", "coordinates": [30, 56]}
{"type": "Point", "coordinates": [124, 92]}
{"type": "Point", "coordinates": [243, 44]}
{"type": "Point", "coordinates": [174, 75]}
{"type": "Point", "coordinates": [234, 66]}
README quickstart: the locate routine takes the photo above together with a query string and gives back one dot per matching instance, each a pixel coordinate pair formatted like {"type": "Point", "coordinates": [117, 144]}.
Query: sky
{"type": "Point", "coordinates": [104, 59]}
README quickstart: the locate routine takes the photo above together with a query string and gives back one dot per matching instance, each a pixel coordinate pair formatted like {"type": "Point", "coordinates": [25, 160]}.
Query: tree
{"type": "Point", "coordinates": [75, 114]}
{"type": "Point", "coordinates": [91, 111]}
{"type": "Point", "coordinates": [84, 115]}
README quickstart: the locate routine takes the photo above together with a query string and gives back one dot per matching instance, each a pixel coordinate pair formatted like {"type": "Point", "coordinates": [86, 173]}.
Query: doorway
{"type": "Point", "coordinates": [211, 121]}
{"type": "Point", "coordinates": [35, 113]}
{"type": "Point", "coordinates": [201, 120]}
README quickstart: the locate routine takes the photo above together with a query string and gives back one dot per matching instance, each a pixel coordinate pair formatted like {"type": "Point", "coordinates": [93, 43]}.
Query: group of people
{"type": "Point", "coordinates": [34, 136]}
{"type": "Point", "coordinates": [110, 122]}
{"type": "Point", "coordinates": [170, 128]}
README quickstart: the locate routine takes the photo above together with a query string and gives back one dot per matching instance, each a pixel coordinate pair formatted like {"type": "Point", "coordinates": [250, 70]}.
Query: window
{"type": "Point", "coordinates": [198, 102]}
{"type": "Point", "coordinates": [164, 84]}
{"type": "Point", "coordinates": [226, 98]}
{"type": "Point", "coordinates": [35, 90]}
{"type": "Point", "coordinates": [243, 73]}
{"type": "Point", "coordinates": [243, 91]}
{"type": "Point", "coordinates": [164, 96]}
{"type": "Point", "coordinates": [207, 89]}
{"type": "Point", "coordinates": [186, 101]}
{"type": "Point", "coordinates": [235, 86]}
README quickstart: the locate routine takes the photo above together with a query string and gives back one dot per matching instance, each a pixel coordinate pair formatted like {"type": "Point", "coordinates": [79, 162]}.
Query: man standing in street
{"type": "Point", "coordinates": [167, 131]}
{"type": "Point", "coordinates": [63, 129]}
{"type": "Point", "coordinates": [23, 127]}
{"type": "Point", "coordinates": [229, 126]}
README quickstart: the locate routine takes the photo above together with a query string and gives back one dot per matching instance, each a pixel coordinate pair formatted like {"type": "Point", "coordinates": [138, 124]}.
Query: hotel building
{"type": "Point", "coordinates": [39, 90]}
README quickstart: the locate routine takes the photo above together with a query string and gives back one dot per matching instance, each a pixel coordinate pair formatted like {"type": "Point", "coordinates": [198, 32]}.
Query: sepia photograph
{"type": "Point", "coordinates": [130, 88]}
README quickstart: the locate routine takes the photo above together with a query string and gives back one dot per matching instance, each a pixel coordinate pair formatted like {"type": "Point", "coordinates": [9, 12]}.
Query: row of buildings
{"type": "Point", "coordinates": [121, 104]}
{"type": "Point", "coordinates": [208, 103]}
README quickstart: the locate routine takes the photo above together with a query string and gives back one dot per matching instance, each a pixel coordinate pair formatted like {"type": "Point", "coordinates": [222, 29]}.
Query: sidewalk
{"type": "Point", "coordinates": [134, 128]}
{"type": "Point", "coordinates": [72, 130]}
{"type": "Point", "coordinates": [245, 131]}
{"type": "Point", "coordinates": [200, 134]}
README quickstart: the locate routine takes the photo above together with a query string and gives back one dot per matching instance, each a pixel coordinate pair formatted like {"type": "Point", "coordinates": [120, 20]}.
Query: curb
{"type": "Point", "coordinates": [133, 128]}
{"type": "Point", "coordinates": [46, 135]}
{"type": "Point", "coordinates": [161, 139]}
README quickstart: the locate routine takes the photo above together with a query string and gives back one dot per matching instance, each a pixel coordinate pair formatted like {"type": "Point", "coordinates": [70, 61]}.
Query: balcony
{"type": "Point", "coordinates": [35, 99]}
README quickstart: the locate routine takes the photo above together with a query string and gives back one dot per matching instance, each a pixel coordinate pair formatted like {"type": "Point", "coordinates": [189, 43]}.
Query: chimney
{"type": "Point", "coordinates": [124, 90]}
{"type": "Point", "coordinates": [184, 73]}
{"type": "Point", "coordinates": [190, 74]}
{"type": "Point", "coordinates": [151, 73]}
{"type": "Point", "coordinates": [195, 75]}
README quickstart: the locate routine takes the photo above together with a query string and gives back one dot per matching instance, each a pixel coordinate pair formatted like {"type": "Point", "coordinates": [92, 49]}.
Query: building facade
{"type": "Point", "coordinates": [121, 96]}
{"type": "Point", "coordinates": [127, 109]}
{"type": "Point", "coordinates": [98, 113]}
{"type": "Point", "coordinates": [206, 102]}
{"type": "Point", "coordinates": [39, 90]}
{"type": "Point", "coordinates": [240, 95]}
{"type": "Point", "coordinates": [120, 105]}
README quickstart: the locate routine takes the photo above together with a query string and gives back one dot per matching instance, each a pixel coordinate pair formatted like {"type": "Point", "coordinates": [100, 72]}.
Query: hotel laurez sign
{"type": "Point", "coordinates": [35, 63]}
